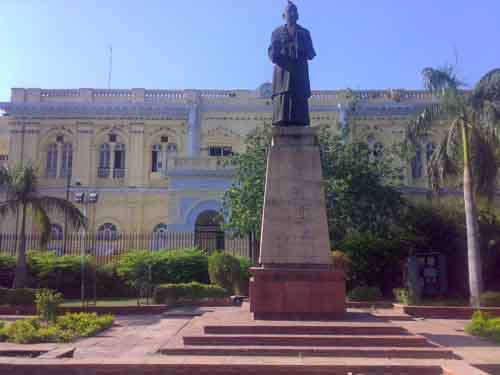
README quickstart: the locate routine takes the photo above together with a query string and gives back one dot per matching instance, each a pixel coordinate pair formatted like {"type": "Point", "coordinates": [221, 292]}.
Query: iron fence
{"type": "Point", "coordinates": [107, 247]}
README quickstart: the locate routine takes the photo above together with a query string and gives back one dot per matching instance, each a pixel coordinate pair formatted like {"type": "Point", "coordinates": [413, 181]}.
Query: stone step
{"type": "Point", "coordinates": [305, 330]}
{"type": "Point", "coordinates": [194, 366]}
{"type": "Point", "coordinates": [283, 351]}
{"type": "Point", "coordinates": [308, 340]}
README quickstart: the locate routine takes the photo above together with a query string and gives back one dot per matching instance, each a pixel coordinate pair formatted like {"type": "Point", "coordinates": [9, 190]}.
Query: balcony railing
{"type": "Point", "coordinates": [103, 172]}
{"type": "Point", "coordinates": [115, 173]}
{"type": "Point", "coordinates": [118, 173]}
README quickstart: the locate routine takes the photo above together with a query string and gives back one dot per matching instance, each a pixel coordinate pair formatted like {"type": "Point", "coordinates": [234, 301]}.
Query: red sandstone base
{"type": "Point", "coordinates": [296, 294]}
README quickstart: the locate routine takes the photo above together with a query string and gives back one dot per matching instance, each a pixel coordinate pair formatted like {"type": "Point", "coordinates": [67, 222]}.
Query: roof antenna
{"type": "Point", "coordinates": [110, 65]}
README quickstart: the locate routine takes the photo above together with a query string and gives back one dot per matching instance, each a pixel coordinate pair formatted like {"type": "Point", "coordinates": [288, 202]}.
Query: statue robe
{"type": "Point", "coordinates": [291, 87]}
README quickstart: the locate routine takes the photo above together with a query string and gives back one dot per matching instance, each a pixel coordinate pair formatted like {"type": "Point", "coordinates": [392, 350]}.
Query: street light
{"type": "Point", "coordinates": [86, 199]}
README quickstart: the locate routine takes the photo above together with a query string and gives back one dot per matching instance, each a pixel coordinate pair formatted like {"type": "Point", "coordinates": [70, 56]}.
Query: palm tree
{"type": "Point", "coordinates": [21, 188]}
{"type": "Point", "coordinates": [470, 146]}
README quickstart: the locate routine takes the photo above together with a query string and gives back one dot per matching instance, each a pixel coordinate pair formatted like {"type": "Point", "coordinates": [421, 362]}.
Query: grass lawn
{"type": "Point", "coordinates": [106, 302]}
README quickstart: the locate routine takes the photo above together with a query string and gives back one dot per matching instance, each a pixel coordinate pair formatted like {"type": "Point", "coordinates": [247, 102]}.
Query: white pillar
{"type": "Point", "coordinates": [59, 160]}
{"type": "Point", "coordinates": [112, 160]}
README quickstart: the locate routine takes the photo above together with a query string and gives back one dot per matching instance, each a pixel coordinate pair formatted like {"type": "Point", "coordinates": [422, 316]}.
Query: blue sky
{"type": "Point", "coordinates": [223, 43]}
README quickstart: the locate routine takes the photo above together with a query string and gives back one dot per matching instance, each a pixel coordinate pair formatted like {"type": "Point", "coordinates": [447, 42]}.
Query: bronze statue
{"type": "Point", "coordinates": [291, 48]}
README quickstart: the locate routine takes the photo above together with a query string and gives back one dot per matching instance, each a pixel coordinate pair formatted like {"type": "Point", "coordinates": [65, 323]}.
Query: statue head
{"type": "Point", "coordinates": [291, 13]}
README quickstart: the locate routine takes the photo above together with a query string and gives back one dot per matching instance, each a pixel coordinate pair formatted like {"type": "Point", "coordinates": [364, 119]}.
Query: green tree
{"type": "Point", "coordinates": [469, 147]}
{"type": "Point", "coordinates": [23, 196]}
{"type": "Point", "coordinates": [359, 197]}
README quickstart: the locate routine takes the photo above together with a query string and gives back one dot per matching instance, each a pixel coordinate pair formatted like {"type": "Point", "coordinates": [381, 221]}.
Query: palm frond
{"type": "Point", "coordinates": [5, 178]}
{"type": "Point", "coordinates": [484, 161]}
{"type": "Point", "coordinates": [43, 221]}
{"type": "Point", "coordinates": [488, 88]}
{"type": "Point", "coordinates": [440, 80]}
{"type": "Point", "coordinates": [24, 184]}
{"type": "Point", "coordinates": [75, 217]}
{"type": "Point", "coordinates": [419, 128]}
{"type": "Point", "coordinates": [9, 206]}
{"type": "Point", "coordinates": [443, 163]}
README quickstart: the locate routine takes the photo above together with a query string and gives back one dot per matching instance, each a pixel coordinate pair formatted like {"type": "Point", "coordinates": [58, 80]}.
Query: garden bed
{"type": "Point", "coordinates": [114, 310]}
{"type": "Point", "coordinates": [64, 328]}
{"type": "Point", "coordinates": [445, 312]}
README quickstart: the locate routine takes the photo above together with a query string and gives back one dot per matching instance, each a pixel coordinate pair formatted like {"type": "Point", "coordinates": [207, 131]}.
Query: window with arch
{"type": "Point", "coordinates": [51, 165]}
{"type": "Point", "coordinates": [416, 164]}
{"type": "Point", "coordinates": [156, 158]}
{"type": "Point", "coordinates": [119, 161]}
{"type": "Point", "coordinates": [56, 232]}
{"type": "Point", "coordinates": [107, 232]}
{"type": "Point", "coordinates": [67, 160]}
{"type": "Point", "coordinates": [104, 160]}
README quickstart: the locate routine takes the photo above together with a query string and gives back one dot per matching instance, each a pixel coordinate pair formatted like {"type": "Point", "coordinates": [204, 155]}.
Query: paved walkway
{"type": "Point", "coordinates": [138, 338]}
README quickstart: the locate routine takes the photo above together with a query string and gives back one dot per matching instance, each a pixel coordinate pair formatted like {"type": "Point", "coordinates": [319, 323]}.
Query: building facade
{"type": "Point", "coordinates": [156, 157]}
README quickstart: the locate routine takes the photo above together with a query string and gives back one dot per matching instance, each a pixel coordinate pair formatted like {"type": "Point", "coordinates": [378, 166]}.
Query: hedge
{"type": "Point", "coordinates": [163, 267]}
{"type": "Point", "coordinates": [365, 293]}
{"type": "Point", "coordinates": [17, 297]}
{"type": "Point", "coordinates": [173, 293]}
{"type": "Point", "coordinates": [63, 273]}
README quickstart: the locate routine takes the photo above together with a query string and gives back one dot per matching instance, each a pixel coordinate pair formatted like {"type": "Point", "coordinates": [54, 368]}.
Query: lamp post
{"type": "Point", "coordinates": [84, 198]}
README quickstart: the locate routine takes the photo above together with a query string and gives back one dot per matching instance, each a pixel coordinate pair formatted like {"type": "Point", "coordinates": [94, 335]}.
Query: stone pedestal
{"type": "Point", "coordinates": [297, 294]}
{"type": "Point", "coordinates": [295, 280]}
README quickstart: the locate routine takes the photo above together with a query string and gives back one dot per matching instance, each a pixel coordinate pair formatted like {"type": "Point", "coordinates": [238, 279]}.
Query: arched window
{"type": "Point", "coordinates": [51, 169]}
{"type": "Point", "coordinates": [56, 232]}
{"type": "Point", "coordinates": [160, 229]}
{"type": "Point", "coordinates": [119, 162]}
{"type": "Point", "coordinates": [156, 158]}
{"type": "Point", "coordinates": [416, 164]}
{"type": "Point", "coordinates": [67, 160]}
{"type": "Point", "coordinates": [107, 232]}
{"type": "Point", "coordinates": [430, 148]}
{"type": "Point", "coordinates": [104, 161]}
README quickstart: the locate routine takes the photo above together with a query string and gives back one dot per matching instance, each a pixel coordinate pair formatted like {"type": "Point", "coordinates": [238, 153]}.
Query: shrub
{"type": "Point", "coordinates": [224, 270]}
{"type": "Point", "coordinates": [61, 273]}
{"type": "Point", "coordinates": [365, 293]}
{"type": "Point", "coordinates": [3, 332]}
{"type": "Point", "coordinates": [84, 324]}
{"type": "Point", "coordinates": [484, 325]}
{"type": "Point", "coordinates": [178, 266]}
{"type": "Point", "coordinates": [401, 295]}
{"type": "Point", "coordinates": [341, 261]}
{"type": "Point", "coordinates": [242, 286]}
{"type": "Point", "coordinates": [491, 299]}
{"type": "Point", "coordinates": [109, 283]}
{"type": "Point", "coordinates": [64, 329]}
{"type": "Point", "coordinates": [47, 302]}
{"type": "Point", "coordinates": [7, 267]}
{"type": "Point", "coordinates": [375, 261]}
{"type": "Point", "coordinates": [173, 293]}
{"type": "Point", "coordinates": [21, 297]}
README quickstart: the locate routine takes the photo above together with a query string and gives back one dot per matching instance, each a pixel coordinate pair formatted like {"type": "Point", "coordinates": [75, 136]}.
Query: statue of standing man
{"type": "Point", "coordinates": [291, 48]}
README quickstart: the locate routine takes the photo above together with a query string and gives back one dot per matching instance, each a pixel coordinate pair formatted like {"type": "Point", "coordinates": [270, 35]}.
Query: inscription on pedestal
{"type": "Point", "coordinates": [294, 225]}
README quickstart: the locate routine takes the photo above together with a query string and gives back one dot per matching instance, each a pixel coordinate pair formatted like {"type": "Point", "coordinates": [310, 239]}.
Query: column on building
{"type": "Point", "coordinates": [193, 138]}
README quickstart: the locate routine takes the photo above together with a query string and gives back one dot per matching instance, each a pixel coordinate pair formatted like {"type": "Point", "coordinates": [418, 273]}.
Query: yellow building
{"type": "Point", "coordinates": [155, 156]}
